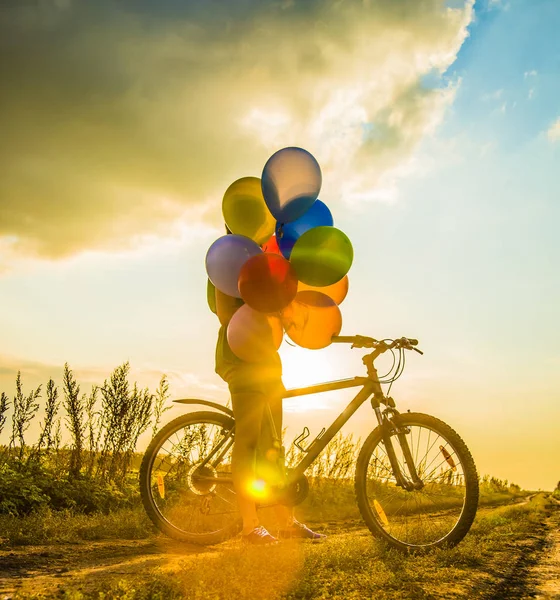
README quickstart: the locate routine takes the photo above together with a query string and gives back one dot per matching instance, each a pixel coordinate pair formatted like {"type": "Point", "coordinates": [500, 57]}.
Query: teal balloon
{"type": "Point", "coordinates": [322, 256]}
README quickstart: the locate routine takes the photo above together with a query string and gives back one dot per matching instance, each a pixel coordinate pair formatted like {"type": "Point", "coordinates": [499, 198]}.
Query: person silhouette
{"type": "Point", "coordinates": [252, 386]}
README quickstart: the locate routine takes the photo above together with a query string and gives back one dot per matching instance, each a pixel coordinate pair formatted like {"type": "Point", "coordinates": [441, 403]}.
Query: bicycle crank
{"type": "Point", "coordinates": [295, 492]}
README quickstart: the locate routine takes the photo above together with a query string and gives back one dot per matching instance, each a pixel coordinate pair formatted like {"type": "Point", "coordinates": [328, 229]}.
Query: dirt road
{"type": "Point", "coordinates": [532, 571]}
{"type": "Point", "coordinates": [47, 568]}
{"type": "Point", "coordinates": [543, 577]}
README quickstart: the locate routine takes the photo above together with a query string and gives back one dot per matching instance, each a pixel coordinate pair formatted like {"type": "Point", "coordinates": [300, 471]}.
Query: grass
{"type": "Point", "coordinates": [59, 527]}
{"type": "Point", "coordinates": [330, 502]}
{"type": "Point", "coordinates": [350, 565]}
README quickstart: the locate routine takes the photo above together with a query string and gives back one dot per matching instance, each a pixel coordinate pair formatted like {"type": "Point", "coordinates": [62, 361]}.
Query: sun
{"type": "Point", "coordinates": [303, 367]}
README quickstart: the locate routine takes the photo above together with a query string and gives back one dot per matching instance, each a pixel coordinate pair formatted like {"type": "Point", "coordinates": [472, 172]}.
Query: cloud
{"type": "Point", "coordinates": [496, 95]}
{"type": "Point", "coordinates": [553, 132]}
{"type": "Point", "coordinates": [117, 121]}
{"type": "Point", "coordinates": [498, 5]}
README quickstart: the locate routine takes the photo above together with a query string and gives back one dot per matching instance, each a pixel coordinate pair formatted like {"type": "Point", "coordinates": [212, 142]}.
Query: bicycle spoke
{"type": "Point", "coordinates": [191, 498]}
{"type": "Point", "coordinates": [420, 515]}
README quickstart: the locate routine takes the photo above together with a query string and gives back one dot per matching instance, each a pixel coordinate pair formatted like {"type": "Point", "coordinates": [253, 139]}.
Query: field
{"type": "Point", "coordinates": [513, 551]}
{"type": "Point", "coordinates": [72, 526]}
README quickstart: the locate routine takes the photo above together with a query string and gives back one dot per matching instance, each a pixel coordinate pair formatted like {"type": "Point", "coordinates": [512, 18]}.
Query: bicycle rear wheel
{"type": "Point", "coordinates": [441, 512]}
{"type": "Point", "coordinates": [185, 499]}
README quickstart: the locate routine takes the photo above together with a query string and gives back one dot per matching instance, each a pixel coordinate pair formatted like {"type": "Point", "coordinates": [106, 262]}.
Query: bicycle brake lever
{"type": "Point", "coordinates": [416, 350]}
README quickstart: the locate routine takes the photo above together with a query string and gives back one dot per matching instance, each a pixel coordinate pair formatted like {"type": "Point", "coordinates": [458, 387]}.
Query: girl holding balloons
{"type": "Point", "coordinates": [255, 296]}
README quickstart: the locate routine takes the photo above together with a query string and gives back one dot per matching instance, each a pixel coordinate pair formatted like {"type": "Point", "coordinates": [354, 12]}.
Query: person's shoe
{"type": "Point", "coordinates": [259, 537]}
{"type": "Point", "coordinates": [300, 531]}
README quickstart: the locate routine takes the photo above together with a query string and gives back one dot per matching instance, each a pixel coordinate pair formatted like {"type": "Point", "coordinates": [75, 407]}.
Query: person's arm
{"type": "Point", "coordinates": [226, 306]}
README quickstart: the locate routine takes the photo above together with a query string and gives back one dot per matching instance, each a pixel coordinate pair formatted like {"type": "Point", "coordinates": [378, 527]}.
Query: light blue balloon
{"type": "Point", "coordinates": [288, 234]}
{"type": "Point", "coordinates": [291, 181]}
{"type": "Point", "coordinates": [224, 260]}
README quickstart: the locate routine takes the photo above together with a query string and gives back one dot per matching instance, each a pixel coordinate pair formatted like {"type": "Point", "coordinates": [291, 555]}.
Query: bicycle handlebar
{"type": "Point", "coordinates": [357, 341]}
{"type": "Point", "coordinates": [361, 341]}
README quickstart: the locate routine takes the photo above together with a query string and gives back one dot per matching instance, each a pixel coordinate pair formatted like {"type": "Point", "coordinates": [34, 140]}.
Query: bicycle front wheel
{"type": "Point", "coordinates": [185, 479]}
{"type": "Point", "coordinates": [440, 511]}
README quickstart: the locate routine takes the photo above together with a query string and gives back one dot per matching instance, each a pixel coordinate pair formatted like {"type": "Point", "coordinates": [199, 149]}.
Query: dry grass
{"type": "Point", "coordinates": [349, 565]}
{"type": "Point", "coordinates": [60, 527]}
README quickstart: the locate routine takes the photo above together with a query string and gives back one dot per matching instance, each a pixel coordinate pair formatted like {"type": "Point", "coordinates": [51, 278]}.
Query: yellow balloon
{"type": "Point", "coordinates": [245, 211]}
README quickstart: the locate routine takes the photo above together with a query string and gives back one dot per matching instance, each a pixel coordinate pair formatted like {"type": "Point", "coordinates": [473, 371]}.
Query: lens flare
{"type": "Point", "coordinates": [258, 489]}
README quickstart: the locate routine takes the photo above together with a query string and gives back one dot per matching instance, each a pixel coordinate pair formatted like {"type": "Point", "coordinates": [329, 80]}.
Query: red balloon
{"type": "Point", "coordinates": [271, 246]}
{"type": "Point", "coordinates": [267, 284]}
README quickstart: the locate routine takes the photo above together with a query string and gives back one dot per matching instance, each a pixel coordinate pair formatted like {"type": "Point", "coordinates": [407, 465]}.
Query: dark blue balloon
{"type": "Point", "coordinates": [287, 234]}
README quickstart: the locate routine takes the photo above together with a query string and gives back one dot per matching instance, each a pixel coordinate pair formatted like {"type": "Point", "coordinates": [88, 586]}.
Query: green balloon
{"type": "Point", "coordinates": [322, 256]}
{"type": "Point", "coordinates": [211, 297]}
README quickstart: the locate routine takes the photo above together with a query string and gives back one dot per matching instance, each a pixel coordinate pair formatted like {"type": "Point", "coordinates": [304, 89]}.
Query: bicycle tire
{"type": "Point", "coordinates": [146, 486]}
{"type": "Point", "coordinates": [470, 504]}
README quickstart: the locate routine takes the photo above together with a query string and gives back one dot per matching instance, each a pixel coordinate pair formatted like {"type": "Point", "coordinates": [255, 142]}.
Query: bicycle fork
{"type": "Point", "coordinates": [388, 429]}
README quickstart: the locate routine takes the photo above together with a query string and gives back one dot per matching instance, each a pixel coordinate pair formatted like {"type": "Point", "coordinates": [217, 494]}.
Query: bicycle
{"type": "Point", "coordinates": [415, 481]}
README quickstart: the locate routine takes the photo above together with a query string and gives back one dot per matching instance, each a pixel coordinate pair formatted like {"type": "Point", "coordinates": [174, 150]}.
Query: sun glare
{"type": "Point", "coordinates": [258, 489]}
{"type": "Point", "coordinates": [302, 367]}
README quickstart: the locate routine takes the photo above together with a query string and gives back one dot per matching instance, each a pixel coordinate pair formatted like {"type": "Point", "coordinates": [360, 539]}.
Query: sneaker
{"type": "Point", "coordinates": [300, 531]}
{"type": "Point", "coordinates": [259, 537]}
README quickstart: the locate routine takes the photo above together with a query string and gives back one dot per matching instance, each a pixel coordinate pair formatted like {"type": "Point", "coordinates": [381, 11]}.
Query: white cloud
{"type": "Point", "coordinates": [498, 5]}
{"type": "Point", "coordinates": [553, 132]}
{"type": "Point", "coordinates": [495, 95]}
{"type": "Point", "coordinates": [128, 118]}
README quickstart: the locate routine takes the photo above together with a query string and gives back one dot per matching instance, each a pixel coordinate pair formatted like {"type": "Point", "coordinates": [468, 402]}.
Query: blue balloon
{"type": "Point", "coordinates": [225, 258]}
{"type": "Point", "coordinates": [291, 181]}
{"type": "Point", "coordinates": [288, 234]}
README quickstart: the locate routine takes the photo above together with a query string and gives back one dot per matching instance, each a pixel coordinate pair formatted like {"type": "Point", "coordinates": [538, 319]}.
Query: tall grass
{"type": "Point", "coordinates": [24, 410]}
{"type": "Point", "coordinates": [92, 468]}
{"type": "Point", "coordinates": [85, 458]}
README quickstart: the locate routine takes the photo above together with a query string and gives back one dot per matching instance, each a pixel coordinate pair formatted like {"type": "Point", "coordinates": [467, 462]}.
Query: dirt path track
{"type": "Point", "coordinates": [533, 571]}
{"type": "Point", "coordinates": [544, 576]}
{"type": "Point", "coordinates": [44, 568]}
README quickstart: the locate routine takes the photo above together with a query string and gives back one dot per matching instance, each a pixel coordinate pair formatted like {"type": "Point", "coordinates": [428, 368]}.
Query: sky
{"type": "Point", "coordinates": [437, 128]}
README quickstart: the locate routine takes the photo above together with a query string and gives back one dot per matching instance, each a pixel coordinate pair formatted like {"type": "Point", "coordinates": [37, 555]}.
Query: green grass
{"type": "Point", "coordinates": [351, 565]}
{"type": "Point", "coordinates": [328, 502]}
{"type": "Point", "coordinates": [52, 527]}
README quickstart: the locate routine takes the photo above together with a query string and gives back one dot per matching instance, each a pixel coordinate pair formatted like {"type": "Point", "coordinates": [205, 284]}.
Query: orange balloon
{"type": "Point", "coordinates": [337, 291]}
{"type": "Point", "coordinates": [312, 319]}
{"type": "Point", "coordinates": [254, 336]}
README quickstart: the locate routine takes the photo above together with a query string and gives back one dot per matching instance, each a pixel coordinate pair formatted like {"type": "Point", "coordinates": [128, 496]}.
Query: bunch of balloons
{"type": "Point", "coordinates": [284, 258]}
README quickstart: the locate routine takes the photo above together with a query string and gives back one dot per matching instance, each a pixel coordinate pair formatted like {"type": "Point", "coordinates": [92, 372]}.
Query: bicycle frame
{"type": "Point", "coordinates": [371, 388]}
